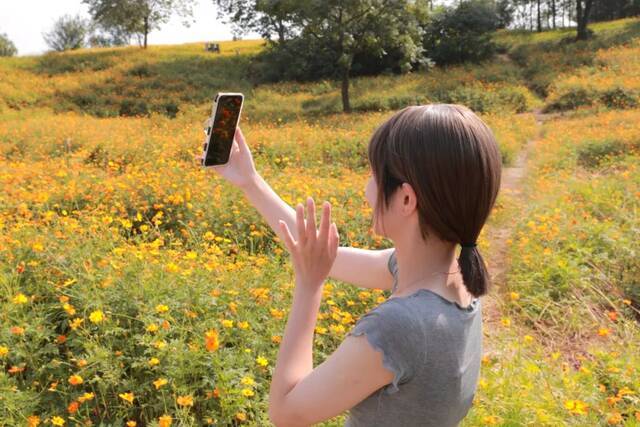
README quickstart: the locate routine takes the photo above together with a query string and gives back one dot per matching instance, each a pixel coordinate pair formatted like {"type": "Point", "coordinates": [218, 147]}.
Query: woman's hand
{"type": "Point", "coordinates": [315, 251]}
{"type": "Point", "coordinates": [240, 170]}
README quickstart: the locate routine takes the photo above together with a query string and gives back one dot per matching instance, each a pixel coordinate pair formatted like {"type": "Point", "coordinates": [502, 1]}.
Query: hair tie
{"type": "Point", "coordinates": [469, 245]}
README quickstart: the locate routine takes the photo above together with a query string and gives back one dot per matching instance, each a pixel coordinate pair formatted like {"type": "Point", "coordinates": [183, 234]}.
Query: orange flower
{"type": "Point", "coordinates": [164, 421]}
{"type": "Point", "coordinates": [73, 407]}
{"type": "Point", "coordinates": [33, 421]}
{"type": "Point", "coordinates": [75, 380]}
{"type": "Point", "coordinates": [211, 340]}
{"type": "Point", "coordinates": [16, 330]}
{"type": "Point", "coordinates": [185, 400]}
{"type": "Point", "coordinates": [131, 423]}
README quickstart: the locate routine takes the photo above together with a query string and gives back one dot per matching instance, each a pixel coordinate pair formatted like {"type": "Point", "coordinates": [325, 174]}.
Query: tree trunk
{"type": "Point", "coordinates": [146, 30]}
{"type": "Point", "coordinates": [539, 18]}
{"type": "Point", "coordinates": [583, 18]}
{"type": "Point", "coordinates": [280, 31]}
{"type": "Point", "coordinates": [346, 106]}
{"type": "Point", "coordinates": [553, 12]}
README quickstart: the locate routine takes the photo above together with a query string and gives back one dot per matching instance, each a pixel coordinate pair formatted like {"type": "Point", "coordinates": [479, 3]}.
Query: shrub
{"type": "Point", "coordinates": [68, 32]}
{"type": "Point", "coordinates": [619, 98]}
{"type": "Point", "coordinates": [134, 107]}
{"type": "Point", "coordinates": [574, 98]}
{"type": "Point", "coordinates": [461, 34]}
{"type": "Point", "coordinates": [7, 48]}
{"type": "Point", "coordinates": [592, 154]}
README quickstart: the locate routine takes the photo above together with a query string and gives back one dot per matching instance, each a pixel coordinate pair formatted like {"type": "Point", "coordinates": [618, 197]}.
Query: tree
{"type": "Point", "coordinates": [505, 11]}
{"type": "Point", "coordinates": [266, 17]}
{"type": "Point", "coordinates": [137, 17]}
{"type": "Point", "coordinates": [7, 48]}
{"type": "Point", "coordinates": [68, 32]}
{"type": "Point", "coordinates": [583, 10]}
{"type": "Point", "coordinates": [462, 33]}
{"type": "Point", "coordinates": [106, 37]}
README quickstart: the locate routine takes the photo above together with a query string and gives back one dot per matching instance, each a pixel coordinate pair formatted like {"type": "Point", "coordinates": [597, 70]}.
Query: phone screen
{"type": "Point", "coordinates": [223, 129]}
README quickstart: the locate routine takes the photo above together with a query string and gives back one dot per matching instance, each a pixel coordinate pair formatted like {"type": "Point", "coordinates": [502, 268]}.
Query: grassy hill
{"type": "Point", "coordinates": [124, 264]}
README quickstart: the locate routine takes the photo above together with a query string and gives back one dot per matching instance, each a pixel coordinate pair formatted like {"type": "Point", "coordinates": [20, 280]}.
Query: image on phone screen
{"type": "Point", "coordinates": [223, 129]}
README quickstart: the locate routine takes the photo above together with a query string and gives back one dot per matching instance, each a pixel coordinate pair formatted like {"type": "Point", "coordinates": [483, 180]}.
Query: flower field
{"type": "Point", "coordinates": [138, 289]}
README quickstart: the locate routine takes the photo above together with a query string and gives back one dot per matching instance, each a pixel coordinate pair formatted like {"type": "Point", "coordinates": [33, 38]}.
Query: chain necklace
{"type": "Point", "coordinates": [422, 278]}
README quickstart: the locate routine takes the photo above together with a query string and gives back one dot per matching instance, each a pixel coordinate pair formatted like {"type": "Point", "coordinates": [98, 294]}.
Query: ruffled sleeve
{"type": "Point", "coordinates": [390, 330]}
{"type": "Point", "coordinates": [392, 264]}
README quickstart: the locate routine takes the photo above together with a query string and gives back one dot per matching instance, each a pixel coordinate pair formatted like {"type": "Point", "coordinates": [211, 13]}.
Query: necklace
{"type": "Point", "coordinates": [422, 278]}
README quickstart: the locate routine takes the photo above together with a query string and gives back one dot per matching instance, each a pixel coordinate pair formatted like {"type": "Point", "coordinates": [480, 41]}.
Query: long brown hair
{"type": "Point", "coordinates": [451, 159]}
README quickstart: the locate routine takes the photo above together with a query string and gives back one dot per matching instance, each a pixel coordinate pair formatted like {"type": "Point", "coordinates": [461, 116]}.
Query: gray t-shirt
{"type": "Point", "coordinates": [434, 347]}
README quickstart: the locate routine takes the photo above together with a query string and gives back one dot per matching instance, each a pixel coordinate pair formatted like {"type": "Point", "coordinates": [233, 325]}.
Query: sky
{"type": "Point", "coordinates": [24, 21]}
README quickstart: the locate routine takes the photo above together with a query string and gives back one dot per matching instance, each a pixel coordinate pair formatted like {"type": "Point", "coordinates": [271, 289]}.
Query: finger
{"type": "Point", "coordinates": [242, 143]}
{"type": "Point", "coordinates": [335, 240]}
{"type": "Point", "coordinates": [302, 238]}
{"type": "Point", "coordinates": [288, 238]}
{"type": "Point", "coordinates": [311, 220]}
{"type": "Point", "coordinates": [325, 223]}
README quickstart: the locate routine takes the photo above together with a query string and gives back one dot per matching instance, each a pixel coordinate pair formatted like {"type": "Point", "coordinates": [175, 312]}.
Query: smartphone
{"type": "Point", "coordinates": [221, 128]}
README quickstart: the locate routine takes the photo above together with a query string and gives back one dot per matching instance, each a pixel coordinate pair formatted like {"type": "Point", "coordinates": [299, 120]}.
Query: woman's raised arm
{"type": "Point", "coordinates": [361, 267]}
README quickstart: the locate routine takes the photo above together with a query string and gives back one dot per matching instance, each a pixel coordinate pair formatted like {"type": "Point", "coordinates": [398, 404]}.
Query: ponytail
{"type": "Point", "coordinates": [474, 271]}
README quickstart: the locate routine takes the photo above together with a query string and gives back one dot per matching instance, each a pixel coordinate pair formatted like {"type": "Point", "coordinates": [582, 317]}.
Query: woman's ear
{"type": "Point", "coordinates": [408, 200]}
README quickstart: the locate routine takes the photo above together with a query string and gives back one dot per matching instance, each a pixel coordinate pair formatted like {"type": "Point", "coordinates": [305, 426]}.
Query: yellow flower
{"type": "Point", "coordinates": [20, 299]}
{"type": "Point", "coordinates": [131, 423]}
{"type": "Point", "coordinates": [247, 381]}
{"type": "Point", "coordinates": [152, 327]}
{"type": "Point", "coordinates": [154, 361]}
{"type": "Point", "coordinates": [85, 397]}
{"type": "Point", "coordinates": [69, 309]}
{"type": "Point", "coordinates": [505, 321]}
{"type": "Point", "coordinates": [185, 400]}
{"type": "Point", "coordinates": [240, 416]}
{"type": "Point", "coordinates": [243, 325]}
{"type": "Point", "coordinates": [76, 323]}
{"type": "Point", "coordinates": [161, 308]}
{"type": "Point", "coordinates": [227, 323]}
{"type": "Point", "coordinates": [514, 295]}
{"type": "Point", "coordinates": [247, 392]}
{"type": "Point", "coordinates": [96, 316]}
{"type": "Point", "coordinates": [57, 421]}
{"type": "Point", "coordinates": [164, 421]}
{"type": "Point", "coordinates": [127, 396]}
{"type": "Point", "coordinates": [159, 344]}
{"type": "Point", "coordinates": [489, 420]}
{"type": "Point", "coordinates": [3, 350]}
{"type": "Point", "coordinates": [603, 332]}
{"type": "Point", "coordinates": [576, 407]}
{"type": "Point", "coordinates": [160, 382]}
{"type": "Point", "coordinates": [262, 361]}
{"type": "Point", "coordinates": [75, 380]}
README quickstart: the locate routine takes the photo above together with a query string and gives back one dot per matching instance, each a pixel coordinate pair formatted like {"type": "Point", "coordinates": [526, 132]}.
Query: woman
{"type": "Point", "coordinates": [414, 360]}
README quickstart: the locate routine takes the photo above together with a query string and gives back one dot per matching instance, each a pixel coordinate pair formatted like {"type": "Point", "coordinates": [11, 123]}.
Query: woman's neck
{"type": "Point", "coordinates": [429, 264]}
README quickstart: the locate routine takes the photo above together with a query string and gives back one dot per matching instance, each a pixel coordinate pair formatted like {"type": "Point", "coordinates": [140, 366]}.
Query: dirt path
{"type": "Point", "coordinates": [498, 261]}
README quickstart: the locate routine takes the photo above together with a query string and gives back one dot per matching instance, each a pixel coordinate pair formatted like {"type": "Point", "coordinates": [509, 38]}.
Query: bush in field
{"type": "Point", "coordinates": [572, 99]}
{"type": "Point", "coordinates": [619, 98]}
{"type": "Point", "coordinates": [462, 34]}
{"type": "Point", "coordinates": [7, 48]}
{"type": "Point", "coordinates": [68, 32]}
